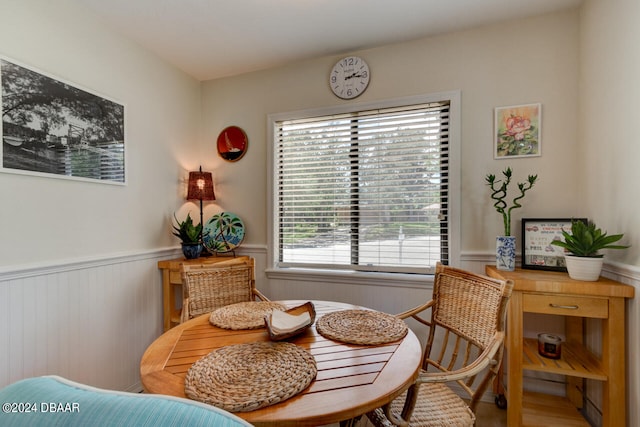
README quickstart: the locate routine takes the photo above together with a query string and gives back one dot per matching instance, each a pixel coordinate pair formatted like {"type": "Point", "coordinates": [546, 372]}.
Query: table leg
{"type": "Point", "coordinates": [514, 360]}
{"type": "Point", "coordinates": [166, 300]}
{"type": "Point", "coordinates": [613, 361]}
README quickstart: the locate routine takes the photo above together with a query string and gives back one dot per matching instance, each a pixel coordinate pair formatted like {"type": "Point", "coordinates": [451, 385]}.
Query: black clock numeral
{"type": "Point", "coordinates": [350, 61]}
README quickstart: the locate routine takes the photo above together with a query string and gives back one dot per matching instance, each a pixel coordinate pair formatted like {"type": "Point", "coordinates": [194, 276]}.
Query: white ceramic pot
{"type": "Point", "coordinates": [584, 268]}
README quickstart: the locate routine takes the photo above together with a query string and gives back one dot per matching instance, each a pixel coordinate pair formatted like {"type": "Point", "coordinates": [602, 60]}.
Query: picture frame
{"type": "Point", "coordinates": [54, 128]}
{"type": "Point", "coordinates": [537, 251]}
{"type": "Point", "coordinates": [518, 131]}
{"type": "Point", "coordinates": [232, 143]}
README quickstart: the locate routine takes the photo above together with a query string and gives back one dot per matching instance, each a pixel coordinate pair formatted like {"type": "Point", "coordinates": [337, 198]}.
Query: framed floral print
{"type": "Point", "coordinates": [518, 131]}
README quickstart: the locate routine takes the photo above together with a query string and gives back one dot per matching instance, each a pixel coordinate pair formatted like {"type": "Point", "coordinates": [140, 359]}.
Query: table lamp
{"type": "Point", "coordinates": [200, 188]}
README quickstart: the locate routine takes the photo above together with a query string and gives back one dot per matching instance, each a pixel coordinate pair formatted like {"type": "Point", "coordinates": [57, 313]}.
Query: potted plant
{"type": "Point", "coordinates": [506, 244]}
{"type": "Point", "coordinates": [584, 262]}
{"type": "Point", "coordinates": [190, 236]}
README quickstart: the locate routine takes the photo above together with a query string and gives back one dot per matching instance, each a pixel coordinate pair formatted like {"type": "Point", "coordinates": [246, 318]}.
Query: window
{"type": "Point", "coordinates": [367, 189]}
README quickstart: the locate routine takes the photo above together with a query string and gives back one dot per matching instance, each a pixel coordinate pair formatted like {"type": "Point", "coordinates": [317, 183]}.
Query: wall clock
{"type": "Point", "coordinates": [349, 78]}
{"type": "Point", "coordinates": [232, 143]}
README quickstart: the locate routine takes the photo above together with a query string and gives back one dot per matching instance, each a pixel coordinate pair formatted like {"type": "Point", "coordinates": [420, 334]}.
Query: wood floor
{"type": "Point", "coordinates": [487, 415]}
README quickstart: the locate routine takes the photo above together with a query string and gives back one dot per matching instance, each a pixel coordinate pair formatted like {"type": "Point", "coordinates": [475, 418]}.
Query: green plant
{"type": "Point", "coordinates": [186, 231]}
{"type": "Point", "coordinates": [499, 194]}
{"type": "Point", "coordinates": [586, 240]}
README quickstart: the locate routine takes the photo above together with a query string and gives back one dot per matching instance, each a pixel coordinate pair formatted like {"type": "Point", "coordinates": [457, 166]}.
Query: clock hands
{"type": "Point", "coordinates": [354, 75]}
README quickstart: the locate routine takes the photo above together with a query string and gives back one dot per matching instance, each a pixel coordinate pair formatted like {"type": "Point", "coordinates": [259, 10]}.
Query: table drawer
{"type": "Point", "coordinates": [566, 305]}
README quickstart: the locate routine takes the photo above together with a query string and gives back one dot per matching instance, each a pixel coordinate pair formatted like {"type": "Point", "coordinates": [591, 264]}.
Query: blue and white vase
{"type": "Point", "coordinates": [506, 253]}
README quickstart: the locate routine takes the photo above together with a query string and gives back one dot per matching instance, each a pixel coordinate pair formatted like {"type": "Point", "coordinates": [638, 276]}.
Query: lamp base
{"type": "Point", "coordinates": [230, 254]}
{"type": "Point", "coordinates": [205, 252]}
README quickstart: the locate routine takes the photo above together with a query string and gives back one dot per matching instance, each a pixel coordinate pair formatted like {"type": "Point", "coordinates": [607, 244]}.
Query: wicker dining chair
{"type": "Point", "coordinates": [207, 286]}
{"type": "Point", "coordinates": [464, 348]}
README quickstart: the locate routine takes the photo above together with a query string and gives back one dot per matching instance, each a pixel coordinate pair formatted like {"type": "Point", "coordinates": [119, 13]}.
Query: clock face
{"type": "Point", "coordinates": [349, 78]}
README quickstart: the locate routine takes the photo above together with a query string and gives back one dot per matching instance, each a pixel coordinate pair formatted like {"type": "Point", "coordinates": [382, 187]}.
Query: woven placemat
{"type": "Point", "coordinates": [246, 377]}
{"type": "Point", "coordinates": [361, 327]}
{"type": "Point", "coordinates": [243, 315]}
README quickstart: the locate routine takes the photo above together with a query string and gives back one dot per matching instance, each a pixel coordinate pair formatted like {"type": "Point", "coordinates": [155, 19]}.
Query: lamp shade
{"type": "Point", "coordinates": [200, 186]}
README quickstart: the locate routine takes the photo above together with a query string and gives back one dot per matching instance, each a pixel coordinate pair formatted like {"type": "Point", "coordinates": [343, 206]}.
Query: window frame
{"type": "Point", "coordinates": [453, 220]}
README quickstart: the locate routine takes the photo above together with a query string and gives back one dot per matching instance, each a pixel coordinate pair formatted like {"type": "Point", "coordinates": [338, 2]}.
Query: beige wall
{"type": "Point", "coordinates": [530, 60]}
{"type": "Point", "coordinates": [608, 163]}
{"type": "Point", "coordinates": [607, 159]}
{"type": "Point", "coordinates": [44, 220]}
{"type": "Point", "coordinates": [577, 64]}
{"type": "Point", "coordinates": [525, 61]}
{"type": "Point", "coordinates": [80, 292]}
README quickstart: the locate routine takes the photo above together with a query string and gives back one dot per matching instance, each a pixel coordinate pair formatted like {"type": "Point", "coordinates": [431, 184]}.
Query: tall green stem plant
{"type": "Point", "coordinates": [499, 194]}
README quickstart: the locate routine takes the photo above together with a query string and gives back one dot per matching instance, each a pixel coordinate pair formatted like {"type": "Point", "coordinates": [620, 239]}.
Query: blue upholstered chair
{"type": "Point", "coordinates": [55, 401]}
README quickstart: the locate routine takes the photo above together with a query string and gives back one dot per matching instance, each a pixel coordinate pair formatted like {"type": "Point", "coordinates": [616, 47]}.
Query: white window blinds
{"type": "Point", "coordinates": [364, 190]}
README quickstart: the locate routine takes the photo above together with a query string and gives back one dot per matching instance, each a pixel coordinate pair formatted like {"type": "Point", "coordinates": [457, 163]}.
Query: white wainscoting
{"type": "Point", "coordinates": [86, 320]}
{"type": "Point", "coordinates": [629, 275]}
{"type": "Point", "coordinates": [91, 320]}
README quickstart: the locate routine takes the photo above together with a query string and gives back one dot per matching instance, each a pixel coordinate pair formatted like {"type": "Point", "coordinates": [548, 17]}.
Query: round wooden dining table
{"type": "Point", "coordinates": [351, 379]}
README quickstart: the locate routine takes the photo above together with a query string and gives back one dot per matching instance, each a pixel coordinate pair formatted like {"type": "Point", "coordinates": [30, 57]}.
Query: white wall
{"type": "Point", "coordinates": [44, 219]}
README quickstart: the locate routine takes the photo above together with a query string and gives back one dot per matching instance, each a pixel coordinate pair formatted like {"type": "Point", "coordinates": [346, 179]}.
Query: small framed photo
{"type": "Point", "coordinates": [518, 131]}
{"type": "Point", "coordinates": [537, 251]}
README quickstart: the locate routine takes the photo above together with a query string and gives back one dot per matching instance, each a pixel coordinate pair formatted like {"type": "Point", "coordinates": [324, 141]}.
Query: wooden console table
{"type": "Point", "coordinates": [537, 291]}
{"type": "Point", "coordinates": [172, 281]}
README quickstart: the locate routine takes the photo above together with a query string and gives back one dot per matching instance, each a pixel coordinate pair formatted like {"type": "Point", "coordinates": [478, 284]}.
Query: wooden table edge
{"type": "Point", "coordinates": [152, 371]}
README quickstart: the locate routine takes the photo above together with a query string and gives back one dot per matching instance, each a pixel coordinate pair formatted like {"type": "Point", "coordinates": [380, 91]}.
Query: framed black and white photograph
{"type": "Point", "coordinates": [537, 251]}
{"type": "Point", "coordinates": [55, 129]}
